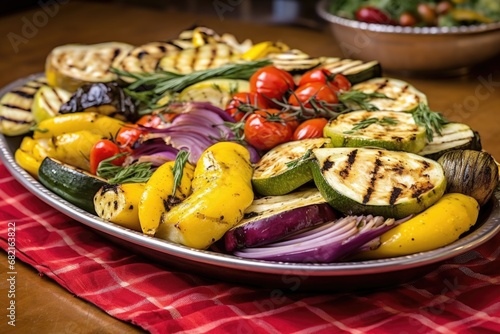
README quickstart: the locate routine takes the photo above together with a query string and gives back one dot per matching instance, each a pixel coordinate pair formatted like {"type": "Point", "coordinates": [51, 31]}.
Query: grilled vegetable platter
{"type": "Point", "coordinates": [258, 151]}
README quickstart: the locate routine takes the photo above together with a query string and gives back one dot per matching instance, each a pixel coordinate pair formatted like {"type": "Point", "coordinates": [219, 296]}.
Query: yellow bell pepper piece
{"type": "Point", "coordinates": [222, 190]}
{"type": "Point", "coordinates": [27, 162]}
{"type": "Point", "coordinates": [96, 123]}
{"type": "Point", "coordinates": [158, 195]}
{"type": "Point", "coordinates": [438, 226]}
{"type": "Point", "coordinates": [263, 49]}
{"type": "Point", "coordinates": [74, 148]}
{"type": "Point", "coordinates": [119, 204]}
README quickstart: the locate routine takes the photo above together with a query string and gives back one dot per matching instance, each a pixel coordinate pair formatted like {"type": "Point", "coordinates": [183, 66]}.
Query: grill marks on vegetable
{"type": "Point", "coordinates": [377, 176]}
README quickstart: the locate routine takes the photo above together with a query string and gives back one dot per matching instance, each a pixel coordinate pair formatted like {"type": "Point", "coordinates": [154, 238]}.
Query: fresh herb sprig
{"type": "Point", "coordinates": [432, 121]}
{"type": "Point", "coordinates": [154, 85]}
{"type": "Point", "coordinates": [307, 156]}
{"type": "Point", "coordinates": [361, 99]}
{"type": "Point", "coordinates": [134, 173]}
{"type": "Point", "coordinates": [180, 161]}
{"type": "Point", "coordinates": [372, 120]}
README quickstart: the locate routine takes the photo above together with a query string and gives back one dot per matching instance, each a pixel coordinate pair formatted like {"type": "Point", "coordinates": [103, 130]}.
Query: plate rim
{"type": "Point", "coordinates": [488, 229]}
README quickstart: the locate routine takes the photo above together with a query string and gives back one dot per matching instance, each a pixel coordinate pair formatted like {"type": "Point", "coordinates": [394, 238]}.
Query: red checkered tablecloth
{"type": "Point", "coordinates": [461, 296]}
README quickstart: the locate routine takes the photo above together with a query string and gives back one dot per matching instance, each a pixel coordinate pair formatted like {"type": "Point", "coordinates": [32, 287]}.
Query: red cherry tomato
{"type": "Point", "coordinates": [265, 129]}
{"type": "Point", "coordinates": [102, 150]}
{"type": "Point", "coordinates": [316, 91]}
{"type": "Point", "coordinates": [243, 102]}
{"type": "Point", "coordinates": [336, 81]}
{"type": "Point", "coordinates": [342, 82]}
{"type": "Point", "coordinates": [316, 75]}
{"type": "Point", "coordinates": [130, 133]}
{"type": "Point", "coordinates": [271, 82]}
{"type": "Point", "coordinates": [370, 14]}
{"type": "Point", "coordinates": [311, 128]}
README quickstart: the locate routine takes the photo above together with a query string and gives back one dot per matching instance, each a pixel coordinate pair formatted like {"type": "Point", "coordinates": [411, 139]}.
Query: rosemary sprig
{"type": "Point", "coordinates": [160, 82]}
{"type": "Point", "coordinates": [134, 173]}
{"type": "Point", "coordinates": [305, 157]}
{"type": "Point", "coordinates": [361, 99]}
{"type": "Point", "coordinates": [431, 120]}
{"type": "Point", "coordinates": [180, 162]}
{"type": "Point", "coordinates": [372, 120]}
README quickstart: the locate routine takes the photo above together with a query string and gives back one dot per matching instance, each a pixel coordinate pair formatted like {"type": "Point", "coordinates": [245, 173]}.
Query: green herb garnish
{"type": "Point", "coordinates": [372, 120]}
{"type": "Point", "coordinates": [305, 157]}
{"type": "Point", "coordinates": [431, 120]}
{"type": "Point", "coordinates": [153, 85]}
{"type": "Point", "coordinates": [361, 99]}
{"type": "Point", "coordinates": [135, 173]}
{"type": "Point", "coordinates": [180, 162]}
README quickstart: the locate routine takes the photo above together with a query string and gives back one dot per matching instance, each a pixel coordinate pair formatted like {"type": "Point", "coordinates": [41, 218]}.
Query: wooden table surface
{"type": "Point", "coordinates": [45, 307]}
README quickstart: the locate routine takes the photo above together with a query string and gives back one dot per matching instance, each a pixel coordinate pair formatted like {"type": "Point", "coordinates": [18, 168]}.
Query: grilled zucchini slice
{"type": "Point", "coordinates": [145, 58]}
{"type": "Point", "coordinates": [286, 167]}
{"type": "Point", "coordinates": [393, 130]}
{"type": "Point", "coordinates": [454, 136]}
{"type": "Point", "coordinates": [401, 96]}
{"type": "Point", "coordinates": [72, 65]}
{"type": "Point", "coordinates": [392, 184]}
{"type": "Point", "coordinates": [47, 102]}
{"type": "Point", "coordinates": [216, 91]}
{"type": "Point", "coordinates": [199, 58]}
{"type": "Point", "coordinates": [16, 117]}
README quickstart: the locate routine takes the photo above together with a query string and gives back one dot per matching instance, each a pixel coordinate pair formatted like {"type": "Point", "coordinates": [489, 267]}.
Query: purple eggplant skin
{"type": "Point", "coordinates": [276, 227]}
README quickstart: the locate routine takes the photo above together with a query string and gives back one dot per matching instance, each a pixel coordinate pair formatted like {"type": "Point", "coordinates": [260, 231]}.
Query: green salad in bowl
{"type": "Point", "coordinates": [418, 13]}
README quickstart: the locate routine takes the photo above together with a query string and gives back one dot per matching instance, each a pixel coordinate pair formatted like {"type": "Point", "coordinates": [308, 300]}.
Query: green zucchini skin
{"type": "Point", "coordinates": [358, 181]}
{"type": "Point", "coordinates": [72, 184]}
{"type": "Point", "coordinates": [273, 177]}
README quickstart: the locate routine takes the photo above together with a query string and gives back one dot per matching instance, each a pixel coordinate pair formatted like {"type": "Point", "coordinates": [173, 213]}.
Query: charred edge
{"type": "Point", "coordinates": [371, 188]}
{"type": "Point", "coordinates": [6, 105]}
{"type": "Point", "coordinates": [396, 191]}
{"type": "Point", "coordinates": [382, 85]}
{"type": "Point", "coordinates": [22, 94]}
{"type": "Point", "coordinates": [351, 159]}
{"type": "Point", "coordinates": [170, 202]}
{"type": "Point", "coordinates": [327, 165]}
{"type": "Point", "coordinates": [249, 215]}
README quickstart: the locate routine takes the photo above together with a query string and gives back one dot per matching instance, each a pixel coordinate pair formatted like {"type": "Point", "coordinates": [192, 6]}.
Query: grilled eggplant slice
{"type": "Point", "coordinates": [355, 71]}
{"type": "Point", "coordinates": [72, 65]}
{"type": "Point", "coordinates": [16, 117]}
{"type": "Point", "coordinates": [294, 61]}
{"type": "Point", "coordinates": [106, 98]}
{"type": "Point", "coordinates": [401, 96]}
{"type": "Point", "coordinates": [391, 184]}
{"type": "Point", "coordinates": [272, 218]}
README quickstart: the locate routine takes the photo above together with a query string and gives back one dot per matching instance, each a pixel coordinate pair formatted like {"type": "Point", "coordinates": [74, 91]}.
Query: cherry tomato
{"type": "Point", "coordinates": [427, 13]}
{"type": "Point", "coordinates": [102, 150]}
{"type": "Point", "coordinates": [130, 133]}
{"type": "Point", "coordinates": [265, 129]}
{"type": "Point", "coordinates": [271, 82]}
{"type": "Point", "coordinates": [342, 82]}
{"type": "Point", "coordinates": [337, 81]}
{"type": "Point", "coordinates": [407, 20]}
{"type": "Point", "coordinates": [370, 14]}
{"type": "Point", "coordinates": [316, 91]}
{"type": "Point", "coordinates": [243, 102]}
{"type": "Point", "coordinates": [311, 128]}
{"type": "Point", "coordinates": [316, 75]}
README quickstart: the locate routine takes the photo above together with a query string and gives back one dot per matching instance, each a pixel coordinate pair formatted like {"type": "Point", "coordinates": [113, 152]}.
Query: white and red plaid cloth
{"type": "Point", "coordinates": [461, 296]}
